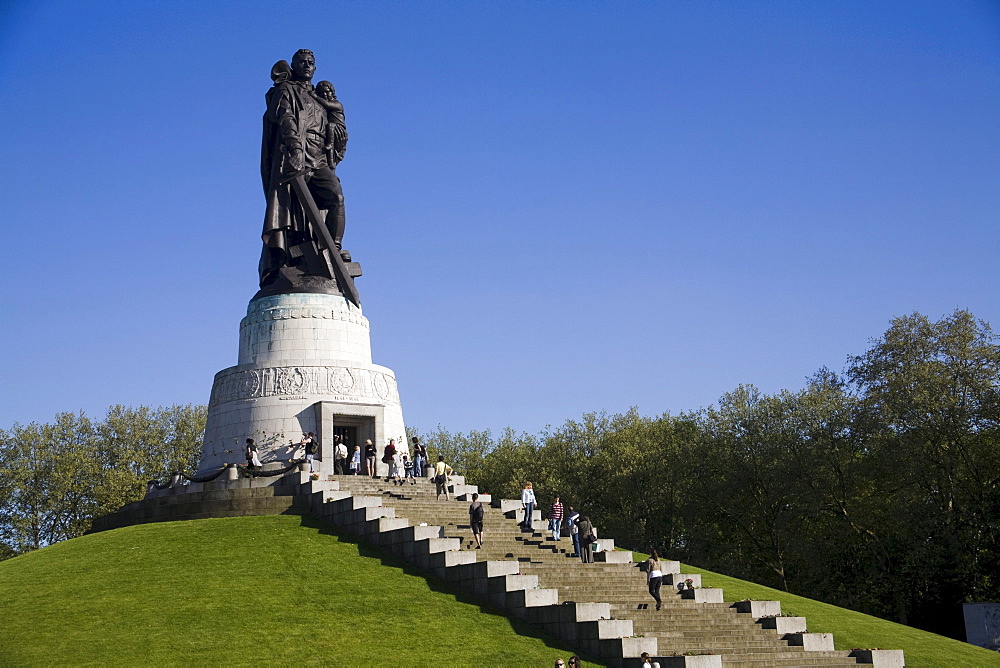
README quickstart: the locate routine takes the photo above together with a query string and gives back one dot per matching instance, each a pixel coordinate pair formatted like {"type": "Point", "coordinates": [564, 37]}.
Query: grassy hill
{"type": "Point", "coordinates": [287, 590]}
{"type": "Point", "coordinates": [257, 590]}
{"type": "Point", "coordinates": [855, 629]}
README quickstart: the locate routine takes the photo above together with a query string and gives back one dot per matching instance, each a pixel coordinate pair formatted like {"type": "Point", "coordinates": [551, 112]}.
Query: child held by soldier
{"type": "Point", "coordinates": [336, 130]}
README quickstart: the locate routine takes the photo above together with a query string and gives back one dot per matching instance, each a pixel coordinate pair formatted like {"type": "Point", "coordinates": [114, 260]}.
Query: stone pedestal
{"type": "Point", "coordinates": [304, 365]}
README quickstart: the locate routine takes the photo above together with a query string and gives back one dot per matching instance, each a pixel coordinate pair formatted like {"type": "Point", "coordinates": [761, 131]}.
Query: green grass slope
{"type": "Point", "coordinates": [852, 629]}
{"type": "Point", "coordinates": [275, 590]}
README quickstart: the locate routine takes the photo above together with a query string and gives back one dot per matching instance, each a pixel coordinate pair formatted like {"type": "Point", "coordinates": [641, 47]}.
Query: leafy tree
{"type": "Point", "coordinates": [463, 453]}
{"type": "Point", "coordinates": [877, 490]}
{"type": "Point", "coordinates": [48, 476]}
{"type": "Point", "coordinates": [55, 478]}
{"type": "Point", "coordinates": [511, 461]}
{"type": "Point", "coordinates": [140, 444]}
{"type": "Point", "coordinates": [930, 405]}
{"type": "Point", "coordinates": [626, 471]}
{"type": "Point", "coordinates": [751, 500]}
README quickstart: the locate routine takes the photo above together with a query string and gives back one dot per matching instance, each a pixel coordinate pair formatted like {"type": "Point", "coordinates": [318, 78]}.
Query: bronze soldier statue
{"type": "Point", "coordinates": [304, 139]}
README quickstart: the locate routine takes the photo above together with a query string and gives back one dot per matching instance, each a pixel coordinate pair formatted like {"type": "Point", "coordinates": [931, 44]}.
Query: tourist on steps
{"type": "Point", "coordinates": [339, 455]}
{"type": "Point", "coordinates": [572, 517]}
{"type": "Point", "coordinates": [476, 513]}
{"type": "Point", "coordinates": [407, 471]}
{"type": "Point", "coordinates": [309, 443]}
{"type": "Point", "coordinates": [356, 460]}
{"type": "Point", "coordinates": [389, 456]}
{"type": "Point", "coordinates": [419, 458]}
{"type": "Point", "coordinates": [441, 473]}
{"type": "Point", "coordinates": [528, 503]}
{"type": "Point", "coordinates": [588, 536]}
{"type": "Point", "coordinates": [371, 455]}
{"type": "Point", "coordinates": [654, 577]}
{"type": "Point", "coordinates": [253, 461]}
{"type": "Point", "coordinates": [394, 470]}
{"type": "Point", "coordinates": [555, 518]}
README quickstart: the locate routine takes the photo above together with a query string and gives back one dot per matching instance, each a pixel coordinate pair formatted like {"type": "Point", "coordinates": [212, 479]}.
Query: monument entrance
{"type": "Point", "coordinates": [348, 435]}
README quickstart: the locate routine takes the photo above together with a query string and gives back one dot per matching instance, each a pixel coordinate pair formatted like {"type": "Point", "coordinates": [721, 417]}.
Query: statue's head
{"type": "Point", "coordinates": [325, 90]}
{"type": "Point", "coordinates": [303, 65]}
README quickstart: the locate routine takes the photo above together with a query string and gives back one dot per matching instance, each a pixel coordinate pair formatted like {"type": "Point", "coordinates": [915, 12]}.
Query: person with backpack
{"type": "Point", "coordinates": [441, 473]}
{"type": "Point", "coordinates": [339, 455]}
{"type": "Point", "coordinates": [476, 513]}
{"type": "Point", "coordinates": [588, 536]}
{"type": "Point", "coordinates": [389, 458]}
{"type": "Point", "coordinates": [572, 517]}
{"type": "Point", "coordinates": [309, 443]}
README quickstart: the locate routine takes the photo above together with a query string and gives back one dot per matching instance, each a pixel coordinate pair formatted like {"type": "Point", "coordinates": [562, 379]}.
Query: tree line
{"type": "Point", "coordinates": [876, 489]}
{"type": "Point", "coordinates": [56, 477]}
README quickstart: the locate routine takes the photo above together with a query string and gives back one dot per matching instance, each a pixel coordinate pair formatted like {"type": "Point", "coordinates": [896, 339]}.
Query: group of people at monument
{"type": "Point", "coordinates": [402, 469]}
{"type": "Point", "coordinates": [405, 467]}
{"type": "Point", "coordinates": [579, 527]}
{"type": "Point", "coordinates": [351, 460]}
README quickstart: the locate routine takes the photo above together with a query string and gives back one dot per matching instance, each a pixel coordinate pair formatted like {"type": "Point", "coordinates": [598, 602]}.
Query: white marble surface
{"type": "Point", "coordinates": [295, 351]}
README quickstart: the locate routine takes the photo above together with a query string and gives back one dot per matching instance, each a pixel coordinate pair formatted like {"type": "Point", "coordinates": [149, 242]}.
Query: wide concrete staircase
{"type": "Point", "coordinates": [603, 608]}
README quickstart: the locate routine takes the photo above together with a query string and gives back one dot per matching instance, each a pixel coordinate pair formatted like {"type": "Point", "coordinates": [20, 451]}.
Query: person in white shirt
{"type": "Point", "coordinates": [654, 577]}
{"type": "Point", "coordinates": [253, 460]}
{"type": "Point", "coordinates": [339, 456]}
{"type": "Point", "coordinates": [441, 473]}
{"type": "Point", "coordinates": [528, 503]}
{"type": "Point", "coordinates": [648, 662]}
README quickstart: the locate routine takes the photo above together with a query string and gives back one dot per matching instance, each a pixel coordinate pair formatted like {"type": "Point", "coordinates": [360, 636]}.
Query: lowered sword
{"type": "Point", "coordinates": [325, 240]}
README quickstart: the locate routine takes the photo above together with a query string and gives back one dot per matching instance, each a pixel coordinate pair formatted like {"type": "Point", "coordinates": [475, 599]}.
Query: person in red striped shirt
{"type": "Point", "coordinates": [555, 518]}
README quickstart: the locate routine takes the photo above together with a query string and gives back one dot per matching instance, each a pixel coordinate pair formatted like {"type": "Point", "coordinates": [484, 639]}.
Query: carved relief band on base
{"type": "Point", "coordinates": [260, 314]}
{"type": "Point", "coordinates": [352, 384]}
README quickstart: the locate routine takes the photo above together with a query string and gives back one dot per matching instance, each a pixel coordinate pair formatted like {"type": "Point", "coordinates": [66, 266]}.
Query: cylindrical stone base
{"type": "Point", "coordinates": [304, 366]}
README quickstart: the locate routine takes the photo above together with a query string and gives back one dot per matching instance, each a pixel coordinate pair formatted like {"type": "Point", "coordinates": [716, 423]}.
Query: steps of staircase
{"type": "Point", "coordinates": [681, 625]}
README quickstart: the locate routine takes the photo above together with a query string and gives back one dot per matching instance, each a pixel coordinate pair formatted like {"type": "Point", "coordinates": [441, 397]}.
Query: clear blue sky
{"type": "Point", "coordinates": [560, 207]}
